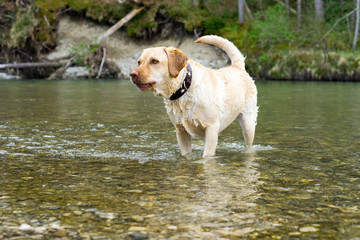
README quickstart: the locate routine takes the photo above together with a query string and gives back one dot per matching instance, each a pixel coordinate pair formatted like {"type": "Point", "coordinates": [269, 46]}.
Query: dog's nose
{"type": "Point", "coordinates": [134, 75]}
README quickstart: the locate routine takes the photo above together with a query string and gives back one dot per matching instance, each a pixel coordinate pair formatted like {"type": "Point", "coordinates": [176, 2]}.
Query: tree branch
{"type": "Point", "coordinates": [336, 23]}
{"type": "Point", "coordinates": [118, 25]}
{"type": "Point", "coordinates": [291, 9]}
{"type": "Point", "coordinates": [102, 63]}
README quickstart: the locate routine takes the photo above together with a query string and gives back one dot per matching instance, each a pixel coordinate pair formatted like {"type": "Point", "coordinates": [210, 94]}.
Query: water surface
{"type": "Point", "coordinates": [99, 160]}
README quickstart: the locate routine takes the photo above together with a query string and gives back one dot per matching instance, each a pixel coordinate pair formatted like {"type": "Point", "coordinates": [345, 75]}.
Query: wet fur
{"type": "Point", "coordinates": [214, 100]}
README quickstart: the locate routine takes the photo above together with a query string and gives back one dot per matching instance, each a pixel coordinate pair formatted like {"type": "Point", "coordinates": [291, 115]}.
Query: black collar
{"type": "Point", "coordinates": [185, 86]}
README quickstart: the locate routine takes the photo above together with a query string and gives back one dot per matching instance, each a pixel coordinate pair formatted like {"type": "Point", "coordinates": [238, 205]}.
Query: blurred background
{"type": "Point", "coordinates": [282, 39]}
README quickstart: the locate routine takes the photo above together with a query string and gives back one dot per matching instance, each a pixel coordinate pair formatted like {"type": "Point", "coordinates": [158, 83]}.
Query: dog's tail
{"type": "Point", "coordinates": [237, 59]}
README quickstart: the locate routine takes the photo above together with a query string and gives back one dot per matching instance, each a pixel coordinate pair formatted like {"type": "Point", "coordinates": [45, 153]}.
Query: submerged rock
{"type": "Point", "coordinates": [137, 236]}
{"type": "Point", "coordinates": [308, 229]}
{"type": "Point", "coordinates": [137, 229]}
{"type": "Point", "coordinates": [137, 218]}
{"type": "Point", "coordinates": [26, 228]}
{"type": "Point", "coordinates": [106, 215]}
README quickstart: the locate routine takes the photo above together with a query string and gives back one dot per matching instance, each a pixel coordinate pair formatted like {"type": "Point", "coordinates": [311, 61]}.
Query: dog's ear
{"type": "Point", "coordinates": [177, 61]}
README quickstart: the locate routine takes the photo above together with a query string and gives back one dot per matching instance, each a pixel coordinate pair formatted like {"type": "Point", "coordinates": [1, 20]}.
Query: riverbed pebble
{"type": "Point", "coordinates": [58, 233]}
{"type": "Point", "coordinates": [137, 236]}
{"type": "Point", "coordinates": [106, 215]}
{"type": "Point", "coordinates": [307, 229]}
{"type": "Point", "coordinates": [171, 227]}
{"type": "Point", "coordinates": [294, 234]}
{"type": "Point", "coordinates": [26, 228]}
{"type": "Point", "coordinates": [137, 218]}
{"type": "Point", "coordinates": [77, 213]}
{"type": "Point", "coordinates": [136, 229]}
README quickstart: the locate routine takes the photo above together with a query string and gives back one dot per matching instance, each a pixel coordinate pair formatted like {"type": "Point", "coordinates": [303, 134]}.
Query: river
{"type": "Point", "coordinates": [99, 160]}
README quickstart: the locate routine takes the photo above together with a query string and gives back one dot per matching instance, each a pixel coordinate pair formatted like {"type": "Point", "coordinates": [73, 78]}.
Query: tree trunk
{"type": "Point", "coordinates": [287, 7]}
{"type": "Point", "coordinates": [241, 7]}
{"type": "Point", "coordinates": [356, 24]}
{"type": "Point", "coordinates": [299, 14]}
{"type": "Point", "coordinates": [319, 10]}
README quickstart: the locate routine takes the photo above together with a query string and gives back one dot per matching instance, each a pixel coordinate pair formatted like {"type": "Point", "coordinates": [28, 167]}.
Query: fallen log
{"type": "Point", "coordinates": [32, 64]}
{"type": "Point", "coordinates": [61, 70]}
{"type": "Point", "coordinates": [118, 25]}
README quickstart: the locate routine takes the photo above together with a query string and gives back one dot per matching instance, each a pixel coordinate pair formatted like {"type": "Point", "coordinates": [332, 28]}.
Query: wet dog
{"type": "Point", "coordinates": [200, 101]}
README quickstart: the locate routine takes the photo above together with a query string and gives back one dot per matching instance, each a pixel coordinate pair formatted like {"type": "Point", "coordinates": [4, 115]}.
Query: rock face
{"type": "Point", "coordinates": [122, 50]}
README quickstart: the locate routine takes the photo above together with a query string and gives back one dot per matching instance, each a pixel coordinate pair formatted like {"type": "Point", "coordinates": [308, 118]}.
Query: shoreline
{"type": "Point", "coordinates": [122, 51]}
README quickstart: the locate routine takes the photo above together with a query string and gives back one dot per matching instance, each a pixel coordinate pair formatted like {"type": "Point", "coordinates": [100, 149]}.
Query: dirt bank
{"type": "Point", "coordinates": [122, 50]}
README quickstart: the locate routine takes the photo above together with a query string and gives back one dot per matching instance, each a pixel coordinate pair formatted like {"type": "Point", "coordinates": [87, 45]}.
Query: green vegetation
{"type": "Point", "coordinates": [271, 38]}
{"type": "Point", "coordinates": [23, 26]}
{"type": "Point", "coordinates": [80, 50]}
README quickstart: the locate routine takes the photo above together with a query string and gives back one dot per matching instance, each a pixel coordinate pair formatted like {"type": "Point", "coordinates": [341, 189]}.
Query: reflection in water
{"type": "Point", "coordinates": [228, 199]}
{"type": "Point", "coordinates": [99, 160]}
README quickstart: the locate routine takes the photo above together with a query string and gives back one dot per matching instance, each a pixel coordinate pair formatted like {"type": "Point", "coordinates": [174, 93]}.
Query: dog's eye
{"type": "Point", "coordinates": [154, 61]}
{"type": "Point", "coordinates": [139, 63]}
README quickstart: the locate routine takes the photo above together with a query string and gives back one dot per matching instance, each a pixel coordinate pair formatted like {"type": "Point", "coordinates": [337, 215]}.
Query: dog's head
{"type": "Point", "coordinates": [158, 69]}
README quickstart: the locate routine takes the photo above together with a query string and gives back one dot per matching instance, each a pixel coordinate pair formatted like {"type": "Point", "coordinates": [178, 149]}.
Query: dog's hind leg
{"type": "Point", "coordinates": [247, 119]}
{"type": "Point", "coordinates": [248, 124]}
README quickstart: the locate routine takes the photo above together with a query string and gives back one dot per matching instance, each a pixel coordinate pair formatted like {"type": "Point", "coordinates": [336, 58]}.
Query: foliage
{"type": "Point", "coordinates": [145, 20]}
{"type": "Point", "coordinates": [48, 12]}
{"type": "Point", "coordinates": [269, 33]}
{"type": "Point", "coordinates": [213, 24]}
{"type": "Point", "coordinates": [23, 27]}
{"type": "Point", "coordinates": [272, 28]}
{"type": "Point", "coordinates": [80, 50]}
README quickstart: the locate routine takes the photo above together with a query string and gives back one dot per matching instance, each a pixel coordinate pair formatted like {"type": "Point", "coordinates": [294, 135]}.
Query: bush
{"type": "Point", "coordinates": [273, 28]}
{"type": "Point", "coordinates": [213, 25]}
{"type": "Point", "coordinates": [23, 27]}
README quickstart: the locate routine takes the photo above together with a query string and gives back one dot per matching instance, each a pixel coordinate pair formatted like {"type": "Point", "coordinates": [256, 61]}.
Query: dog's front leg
{"type": "Point", "coordinates": [184, 140]}
{"type": "Point", "coordinates": [211, 139]}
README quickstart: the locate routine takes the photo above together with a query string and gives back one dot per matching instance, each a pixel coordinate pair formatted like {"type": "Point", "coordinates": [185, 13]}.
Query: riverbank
{"type": "Point", "coordinates": [274, 50]}
{"type": "Point", "coordinates": [121, 50]}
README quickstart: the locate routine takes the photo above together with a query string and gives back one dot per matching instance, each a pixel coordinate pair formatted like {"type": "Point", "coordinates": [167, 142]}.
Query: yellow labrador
{"type": "Point", "coordinates": [200, 101]}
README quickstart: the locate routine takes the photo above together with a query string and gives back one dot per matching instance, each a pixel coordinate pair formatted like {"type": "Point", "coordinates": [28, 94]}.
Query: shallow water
{"type": "Point", "coordinates": [99, 160]}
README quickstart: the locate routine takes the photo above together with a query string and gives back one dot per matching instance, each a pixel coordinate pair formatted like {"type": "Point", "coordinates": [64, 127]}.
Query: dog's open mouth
{"type": "Point", "coordinates": [145, 86]}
